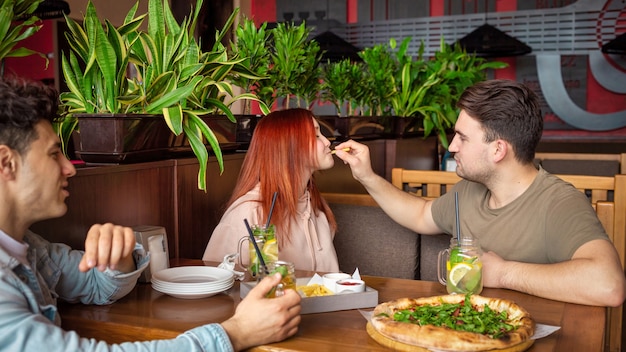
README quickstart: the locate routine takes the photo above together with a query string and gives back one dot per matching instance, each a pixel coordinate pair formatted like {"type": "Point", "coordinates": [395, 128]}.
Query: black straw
{"type": "Point", "coordinates": [456, 209]}
{"type": "Point", "coordinates": [256, 247]}
{"type": "Point", "coordinates": [269, 216]}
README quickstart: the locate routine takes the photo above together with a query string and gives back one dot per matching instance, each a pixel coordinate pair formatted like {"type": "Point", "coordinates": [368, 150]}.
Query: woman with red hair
{"type": "Point", "coordinates": [287, 147]}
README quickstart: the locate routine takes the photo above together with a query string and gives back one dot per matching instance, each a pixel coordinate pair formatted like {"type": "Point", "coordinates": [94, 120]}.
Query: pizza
{"type": "Point", "coordinates": [455, 323]}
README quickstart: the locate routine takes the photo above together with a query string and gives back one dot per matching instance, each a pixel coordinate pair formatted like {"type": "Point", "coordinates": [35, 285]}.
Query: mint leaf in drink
{"type": "Point", "coordinates": [280, 269]}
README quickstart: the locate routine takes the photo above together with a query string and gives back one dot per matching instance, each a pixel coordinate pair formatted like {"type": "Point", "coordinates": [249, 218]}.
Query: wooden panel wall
{"type": "Point", "coordinates": [162, 193]}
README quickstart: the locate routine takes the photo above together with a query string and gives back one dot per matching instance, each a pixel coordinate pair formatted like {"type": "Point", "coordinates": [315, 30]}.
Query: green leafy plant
{"type": "Point", "coordinates": [251, 44]}
{"type": "Point", "coordinates": [341, 85]}
{"type": "Point", "coordinates": [426, 90]}
{"type": "Point", "coordinates": [13, 30]}
{"type": "Point", "coordinates": [295, 63]}
{"type": "Point", "coordinates": [174, 77]}
{"type": "Point", "coordinates": [336, 88]}
{"type": "Point", "coordinates": [380, 66]}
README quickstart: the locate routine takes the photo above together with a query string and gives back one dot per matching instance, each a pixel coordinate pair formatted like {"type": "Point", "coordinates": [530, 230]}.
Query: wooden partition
{"type": "Point", "coordinates": [161, 193]}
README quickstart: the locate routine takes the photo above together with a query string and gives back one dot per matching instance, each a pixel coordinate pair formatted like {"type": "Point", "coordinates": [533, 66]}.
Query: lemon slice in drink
{"type": "Point", "coordinates": [458, 271]}
{"type": "Point", "coordinates": [270, 250]}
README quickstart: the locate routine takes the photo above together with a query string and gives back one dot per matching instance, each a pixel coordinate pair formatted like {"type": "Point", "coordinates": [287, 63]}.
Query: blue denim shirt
{"type": "Point", "coordinates": [29, 320]}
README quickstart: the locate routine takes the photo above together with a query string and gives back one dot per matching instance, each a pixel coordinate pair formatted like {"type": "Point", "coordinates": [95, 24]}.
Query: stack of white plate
{"type": "Point", "coordinates": [192, 282]}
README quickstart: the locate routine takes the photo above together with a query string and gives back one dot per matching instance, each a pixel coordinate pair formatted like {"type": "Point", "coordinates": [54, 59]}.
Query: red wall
{"type": "Point", "coordinates": [34, 66]}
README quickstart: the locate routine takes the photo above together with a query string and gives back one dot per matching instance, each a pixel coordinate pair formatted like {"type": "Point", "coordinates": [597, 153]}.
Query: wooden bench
{"type": "Point", "coordinates": [607, 195]}
{"type": "Point", "coordinates": [369, 239]}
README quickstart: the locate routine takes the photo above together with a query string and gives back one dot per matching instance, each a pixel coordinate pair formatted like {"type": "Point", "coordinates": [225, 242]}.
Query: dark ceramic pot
{"type": "Point", "coordinates": [132, 138]}
{"type": "Point", "coordinates": [121, 138]}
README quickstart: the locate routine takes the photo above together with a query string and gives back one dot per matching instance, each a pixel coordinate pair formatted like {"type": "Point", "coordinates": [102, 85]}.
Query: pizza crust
{"type": "Point", "coordinates": [443, 338]}
{"type": "Point", "coordinates": [399, 346]}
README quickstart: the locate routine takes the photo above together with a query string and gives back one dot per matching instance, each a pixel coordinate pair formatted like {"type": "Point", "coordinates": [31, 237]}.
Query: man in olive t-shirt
{"type": "Point", "coordinates": [562, 220]}
{"type": "Point", "coordinates": [540, 235]}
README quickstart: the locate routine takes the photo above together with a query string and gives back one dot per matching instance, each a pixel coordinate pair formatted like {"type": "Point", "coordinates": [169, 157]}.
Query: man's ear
{"type": "Point", "coordinates": [8, 162]}
{"type": "Point", "coordinates": [501, 150]}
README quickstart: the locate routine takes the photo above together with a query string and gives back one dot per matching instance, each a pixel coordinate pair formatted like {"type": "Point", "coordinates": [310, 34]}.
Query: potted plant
{"type": "Point", "coordinates": [425, 92]}
{"type": "Point", "coordinates": [345, 85]}
{"type": "Point", "coordinates": [252, 44]}
{"type": "Point", "coordinates": [17, 24]}
{"type": "Point", "coordinates": [295, 64]}
{"type": "Point", "coordinates": [380, 66]}
{"type": "Point", "coordinates": [175, 83]}
{"type": "Point", "coordinates": [360, 92]}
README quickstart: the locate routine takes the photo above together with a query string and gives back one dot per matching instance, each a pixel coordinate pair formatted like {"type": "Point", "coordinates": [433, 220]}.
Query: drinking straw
{"type": "Point", "coordinates": [256, 247]}
{"type": "Point", "coordinates": [269, 216]}
{"type": "Point", "coordinates": [456, 209]}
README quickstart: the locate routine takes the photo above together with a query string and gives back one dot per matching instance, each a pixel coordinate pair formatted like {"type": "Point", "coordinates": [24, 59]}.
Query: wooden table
{"type": "Point", "coordinates": [147, 314]}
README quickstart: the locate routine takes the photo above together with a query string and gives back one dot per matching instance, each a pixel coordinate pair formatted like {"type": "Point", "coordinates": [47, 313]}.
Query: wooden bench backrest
{"type": "Point", "coordinates": [360, 223]}
{"type": "Point", "coordinates": [619, 158]}
{"type": "Point", "coordinates": [607, 196]}
{"type": "Point", "coordinates": [349, 198]}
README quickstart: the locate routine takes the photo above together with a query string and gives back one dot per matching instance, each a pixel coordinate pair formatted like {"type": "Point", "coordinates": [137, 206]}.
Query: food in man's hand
{"type": "Point", "coordinates": [314, 290]}
{"type": "Point", "coordinates": [454, 322]}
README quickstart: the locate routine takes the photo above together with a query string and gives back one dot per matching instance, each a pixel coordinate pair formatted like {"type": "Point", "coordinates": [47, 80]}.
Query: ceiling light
{"type": "Point", "coordinates": [488, 41]}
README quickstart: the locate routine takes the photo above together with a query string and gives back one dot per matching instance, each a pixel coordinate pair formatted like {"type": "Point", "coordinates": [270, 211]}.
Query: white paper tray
{"type": "Point", "coordinates": [331, 303]}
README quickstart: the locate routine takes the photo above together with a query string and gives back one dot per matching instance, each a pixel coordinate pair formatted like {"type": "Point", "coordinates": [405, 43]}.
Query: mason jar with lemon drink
{"type": "Point", "coordinates": [287, 271]}
{"type": "Point", "coordinates": [265, 238]}
{"type": "Point", "coordinates": [463, 266]}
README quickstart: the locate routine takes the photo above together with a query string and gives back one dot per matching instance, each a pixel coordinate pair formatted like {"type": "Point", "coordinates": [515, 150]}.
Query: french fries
{"type": "Point", "coordinates": [313, 290]}
{"type": "Point", "coordinates": [335, 150]}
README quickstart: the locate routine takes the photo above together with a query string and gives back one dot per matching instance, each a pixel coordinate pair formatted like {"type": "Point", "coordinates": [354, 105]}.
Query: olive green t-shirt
{"type": "Point", "coordinates": [546, 224]}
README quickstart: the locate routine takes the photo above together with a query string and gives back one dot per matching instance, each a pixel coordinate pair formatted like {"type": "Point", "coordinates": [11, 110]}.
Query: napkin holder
{"type": "Point", "coordinates": [154, 240]}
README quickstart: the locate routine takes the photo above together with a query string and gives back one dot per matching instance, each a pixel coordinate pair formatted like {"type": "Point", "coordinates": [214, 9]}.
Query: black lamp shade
{"type": "Point", "coordinates": [49, 9]}
{"type": "Point", "coordinates": [488, 41]}
{"type": "Point", "coordinates": [616, 46]}
{"type": "Point", "coordinates": [336, 48]}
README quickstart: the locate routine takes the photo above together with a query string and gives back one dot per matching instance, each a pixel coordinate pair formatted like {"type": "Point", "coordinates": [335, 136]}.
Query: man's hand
{"type": "Point", "coordinates": [258, 320]}
{"type": "Point", "coordinates": [110, 246]}
{"type": "Point", "coordinates": [358, 158]}
{"type": "Point", "coordinates": [492, 264]}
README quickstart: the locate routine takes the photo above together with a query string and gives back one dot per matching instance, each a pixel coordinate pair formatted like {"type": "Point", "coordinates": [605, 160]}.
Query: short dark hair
{"type": "Point", "coordinates": [508, 110]}
{"type": "Point", "coordinates": [23, 104]}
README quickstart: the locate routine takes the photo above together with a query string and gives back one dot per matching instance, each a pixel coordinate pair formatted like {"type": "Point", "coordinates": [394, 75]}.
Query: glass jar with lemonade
{"type": "Point", "coordinates": [265, 238]}
{"type": "Point", "coordinates": [463, 266]}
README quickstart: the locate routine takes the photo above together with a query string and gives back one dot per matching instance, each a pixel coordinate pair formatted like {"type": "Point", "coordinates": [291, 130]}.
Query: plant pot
{"type": "Point", "coordinates": [225, 130]}
{"type": "Point", "coordinates": [121, 138]}
{"type": "Point", "coordinates": [407, 127]}
{"type": "Point", "coordinates": [342, 128]}
{"type": "Point", "coordinates": [133, 138]}
{"type": "Point", "coordinates": [245, 128]}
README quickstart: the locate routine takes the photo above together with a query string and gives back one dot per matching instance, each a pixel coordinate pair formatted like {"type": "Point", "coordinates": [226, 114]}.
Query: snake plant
{"type": "Point", "coordinates": [174, 77]}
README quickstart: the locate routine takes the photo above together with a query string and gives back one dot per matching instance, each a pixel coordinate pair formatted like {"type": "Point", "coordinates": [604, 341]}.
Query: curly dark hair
{"type": "Point", "coordinates": [23, 104]}
{"type": "Point", "coordinates": [508, 110]}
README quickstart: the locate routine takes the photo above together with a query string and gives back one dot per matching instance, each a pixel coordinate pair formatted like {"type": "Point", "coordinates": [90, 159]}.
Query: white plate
{"type": "Point", "coordinates": [192, 293]}
{"type": "Point", "coordinates": [189, 275]}
{"type": "Point", "coordinates": [192, 282]}
{"type": "Point", "coordinates": [192, 286]}
{"type": "Point", "coordinates": [176, 288]}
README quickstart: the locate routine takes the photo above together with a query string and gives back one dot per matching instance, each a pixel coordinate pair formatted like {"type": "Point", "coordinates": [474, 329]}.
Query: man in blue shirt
{"type": "Point", "coordinates": [34, 177]}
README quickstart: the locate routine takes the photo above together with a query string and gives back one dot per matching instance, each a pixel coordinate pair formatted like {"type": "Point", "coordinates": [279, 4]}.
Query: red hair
{"type": "Point", "coordinates": [280, 155]}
